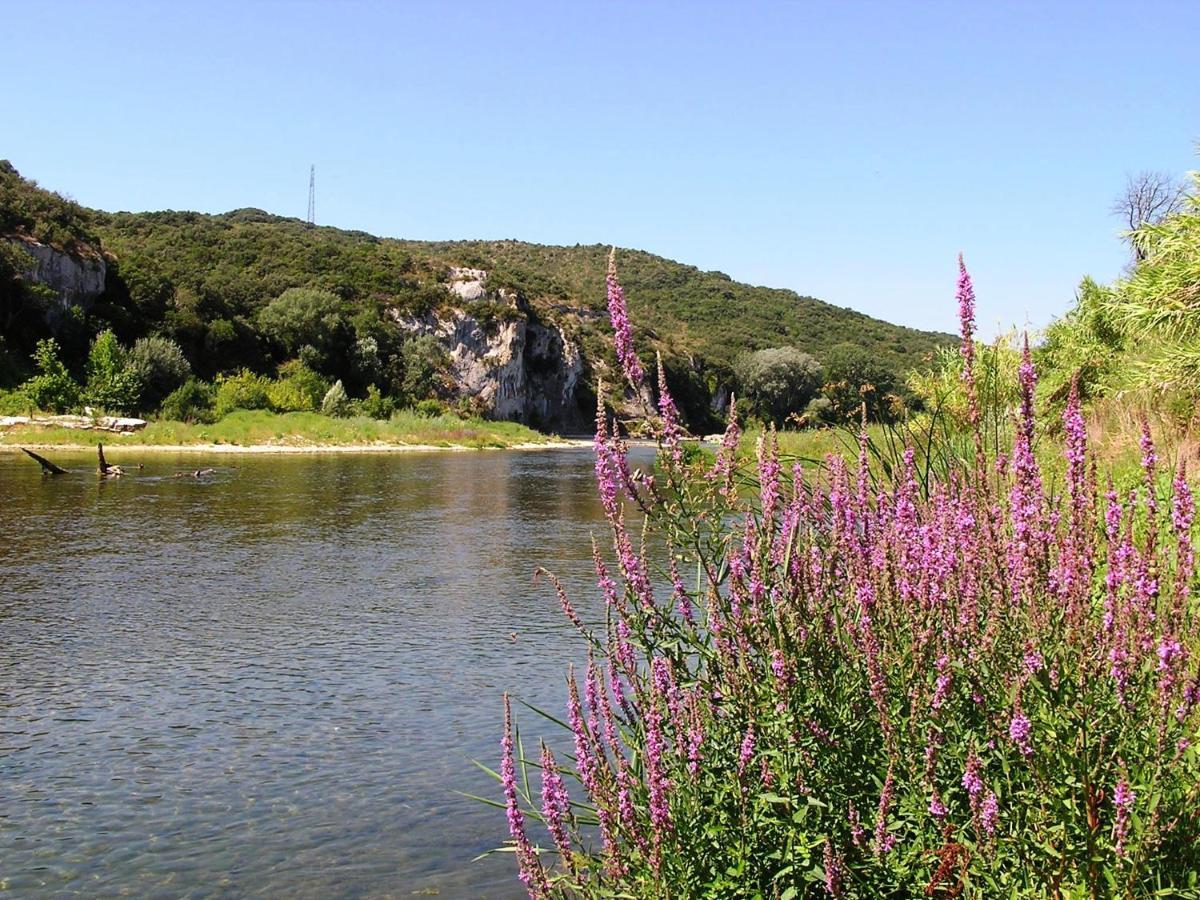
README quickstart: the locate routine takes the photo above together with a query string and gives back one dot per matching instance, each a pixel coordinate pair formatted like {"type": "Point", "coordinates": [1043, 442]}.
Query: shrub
{"type": "Point", "coordinates": [992, 691]}
{"type": "Point", "coordinates": [191, 402]}
{"type": "Point", "coordinates": [160, 368]}
{"type": "Point", "coordinates": [376, 405]}
{"type": "Point", "coordinates": [53, 388]}
{"type": "Point", "coordinates": [778, 382]}
{"type": "Point", "coordinates": [430, 408]}
{"type": "Point", "coordinates": [245, 390]}
{"type": "Point", "coordinates": [298, 388]}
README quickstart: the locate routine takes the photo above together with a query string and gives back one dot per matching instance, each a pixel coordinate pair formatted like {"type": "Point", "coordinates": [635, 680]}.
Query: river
{"type": "Point", "coordinates": [272, 681]}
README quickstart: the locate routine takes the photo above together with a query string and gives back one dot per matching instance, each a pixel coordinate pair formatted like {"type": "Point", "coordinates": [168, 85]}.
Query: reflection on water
{"type": "Point", "coordinates": [271, 681]}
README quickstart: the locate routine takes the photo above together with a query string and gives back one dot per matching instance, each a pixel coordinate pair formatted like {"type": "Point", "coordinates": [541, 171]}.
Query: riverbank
{"type": "Point", "coordinates": [264, 432]}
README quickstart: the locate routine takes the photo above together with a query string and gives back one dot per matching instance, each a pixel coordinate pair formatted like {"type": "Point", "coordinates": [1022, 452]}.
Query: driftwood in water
{"type": "Point", "coordinates": [106, 470]}
{"type": "Point", "coordinates": [48, 467]}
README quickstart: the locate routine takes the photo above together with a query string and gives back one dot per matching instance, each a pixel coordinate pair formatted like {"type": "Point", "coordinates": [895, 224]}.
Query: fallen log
{"type": "Point", "coordinates": [48, 467]}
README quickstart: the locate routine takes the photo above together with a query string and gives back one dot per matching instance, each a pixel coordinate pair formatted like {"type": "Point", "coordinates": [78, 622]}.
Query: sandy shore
{"type": "Point", "coordinates": [114, 444]}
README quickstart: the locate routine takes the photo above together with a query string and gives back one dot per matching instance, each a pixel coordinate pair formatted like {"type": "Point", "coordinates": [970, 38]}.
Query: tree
{"type": "Point", "coordinates": [854, 376]}
{"type": "Point", "coordinates": [302, 317]}
{"type": "Point", "coordinates": [52, 388]}
{"type": "Point", "coordinates": [160, 367]}
{"type": "Point", "coordinates": [111, 384]}
{"type": "Point", "coordinates": [778, 382]}
{"type": "Point", "coordinates": [1148, 198]}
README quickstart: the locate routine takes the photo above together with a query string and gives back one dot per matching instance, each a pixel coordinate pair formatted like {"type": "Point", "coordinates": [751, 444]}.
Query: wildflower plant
{"type": "Point", "coordinates": [832, 684]}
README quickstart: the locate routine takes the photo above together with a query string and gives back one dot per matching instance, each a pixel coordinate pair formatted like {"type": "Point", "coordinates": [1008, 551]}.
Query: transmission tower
{"type": "Point", "coordinates": [312, 195]}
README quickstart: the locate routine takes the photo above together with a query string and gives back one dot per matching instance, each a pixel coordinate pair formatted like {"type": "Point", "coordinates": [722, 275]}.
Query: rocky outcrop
{"type": "Point", "coordinates": [119, 424]}
{"type": "Point", "coordinates": [516, 368]}
{"type": "Point", "coordinates": [77, 279]}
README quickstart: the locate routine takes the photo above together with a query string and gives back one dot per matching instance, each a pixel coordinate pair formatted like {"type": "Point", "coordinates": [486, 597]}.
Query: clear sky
{"type": "Point", "coordinates": [844, 150]}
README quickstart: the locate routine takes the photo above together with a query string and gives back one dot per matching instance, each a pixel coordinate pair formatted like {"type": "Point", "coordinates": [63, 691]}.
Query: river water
{"type": "Point", "coordinates": [272, 681]}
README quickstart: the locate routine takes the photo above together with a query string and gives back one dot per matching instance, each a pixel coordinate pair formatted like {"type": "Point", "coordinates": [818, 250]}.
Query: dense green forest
{"type": "Point", "coordinates": [243, 293]}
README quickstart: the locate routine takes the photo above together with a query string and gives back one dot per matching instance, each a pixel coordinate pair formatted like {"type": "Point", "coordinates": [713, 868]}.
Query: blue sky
{"type": "Point", "coordinates": [844, 150]}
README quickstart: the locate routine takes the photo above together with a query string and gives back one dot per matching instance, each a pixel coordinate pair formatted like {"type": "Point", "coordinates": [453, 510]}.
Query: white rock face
{"type": "Point", "coordinates": [523, 371]}
{"type": "Point", "coordinates": [467, 284]}
{"type": "Point", "coordinates": [77, 280]}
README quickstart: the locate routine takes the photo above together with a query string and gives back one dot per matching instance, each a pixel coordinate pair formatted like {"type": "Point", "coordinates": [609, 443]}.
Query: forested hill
{"type": "Point", "coordinates": [203, 280]}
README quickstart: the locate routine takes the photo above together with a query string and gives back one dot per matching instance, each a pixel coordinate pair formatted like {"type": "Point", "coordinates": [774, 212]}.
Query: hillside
{"type": "Point", "coordinates": [204, 281]}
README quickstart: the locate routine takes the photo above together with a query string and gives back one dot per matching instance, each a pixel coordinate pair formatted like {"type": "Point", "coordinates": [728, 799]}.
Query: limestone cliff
{"type": "Point", "coordinates": [515, 367]}
{"type": "Point", "coordinates": [77, 279]}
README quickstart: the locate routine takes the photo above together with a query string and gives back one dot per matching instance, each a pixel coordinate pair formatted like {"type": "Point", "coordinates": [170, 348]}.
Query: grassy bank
{"type": "Point", "coordinates": [258, 428]}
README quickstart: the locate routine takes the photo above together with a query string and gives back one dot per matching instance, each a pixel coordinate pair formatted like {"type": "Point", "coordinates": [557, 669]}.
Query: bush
{"type": "Point", "coordinates": [160, 368]}
{"type": "Point", "coordinates": [191, 402]}
{"type": "Point", "coordinates": [992, 691]}
{"type": "Point", "coordinates": [52, 389]}
{"type": "Point", "coordinates": [376, 405]}
{"type": "Point", "coordinates": [298, 388]}
{"type": "Point", "coordinates": [430, 408]}
{"type": "Point", "coordinates": [245, 390]}
{"type": "Point", "coordinates": [778, 382]}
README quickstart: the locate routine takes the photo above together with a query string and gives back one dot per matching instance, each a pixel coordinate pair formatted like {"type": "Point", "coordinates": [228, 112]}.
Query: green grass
{"type": "Point", "coordinates": [245, 428]}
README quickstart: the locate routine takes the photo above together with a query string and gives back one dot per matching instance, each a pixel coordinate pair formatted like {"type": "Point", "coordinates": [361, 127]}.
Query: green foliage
{"type": "Point", "coordinates": [301, 317]}
{"type": "Point", "coordinates": [112, 385]}
{"type": "Point", "coordinates": [42, 215]}
{"type": "Point", "coordinates": [52, 389]}
{"type": "Point", "coordinates": [1141, 334]}
{"type": "Point", "coordinates": [297, 389]}
{"type": "Point", "coordinates": [243, 390]}
{"type": "Point", "coordinates": [336, 402]}
{"type": "Point", "coordinates": [430, 408]}
{"type": "Point", "coordinates": [191, 402]}
{"type": "Point", "coordinates": [778, 382]}
{"type": "Point", "coordinates": [424, 371]}
{"type": "Point", "coordinates": [854, 377]}
{"type": "Point", "coordinates": [375, 405]}
{"type": "Point", "coordinates": [160, 368]}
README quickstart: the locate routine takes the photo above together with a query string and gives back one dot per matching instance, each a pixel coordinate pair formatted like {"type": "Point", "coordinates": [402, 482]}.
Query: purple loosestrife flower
{"type": "Point", "coordinates": [989, 813]}
{"type": "Point", "coordinates": [1019, 730]}
{"type": "Point", "coordinates": [856, 830]}
{"type": "Point", "coordinates": [937, 808]}
{"type": "Point", "coordinates": [669, 413]}
{"type": "Point", "coordinates": [723, 468]}
{"type": "Point", "coordinates": [657, 782]}
{"type": "Point", "coordinates": [1123, 798]}
{"type": "Point", "coordinates": [529, 867]}
{"type": "Point", "coordinates": [767, 451]}
{"type": "Point", "coordinates": [966, 320]}
{"type": "Point", "coordinates": [747, 750]}
{"type": "Point", "coordinates": [618, 313]}
{"type": "Point", "coordinates": [972, 781]}
{"type": "Point", "coordinates": [556, 808]}
{"type": "Point", "coordinates": [884, 840]}
{"type": "Point", "coordinates": [779, 669]}
{"type": "Point", "coordinates": [942, 688]}
{"type": "Point", "coordinates": [833, 871]}
{"type": "Point", "coordinates": [683, 602]}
